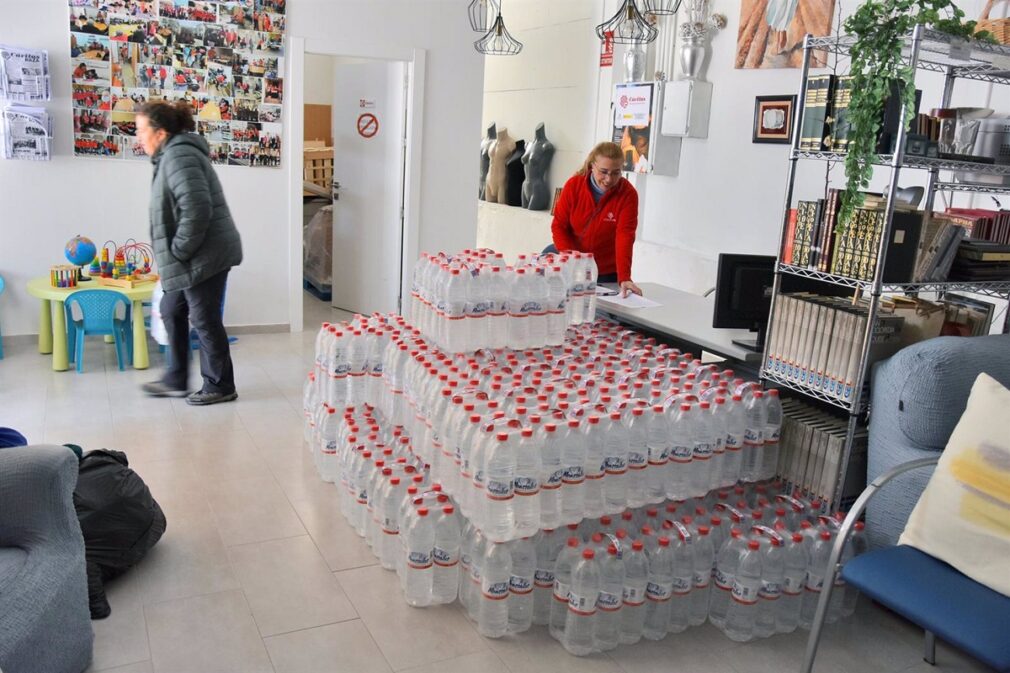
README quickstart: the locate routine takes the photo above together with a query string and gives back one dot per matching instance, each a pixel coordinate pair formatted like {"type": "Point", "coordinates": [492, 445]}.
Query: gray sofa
{"type": "Point", "coordinates": [917, 397]}
{"type": "Point", "coordinates": [45, 625]}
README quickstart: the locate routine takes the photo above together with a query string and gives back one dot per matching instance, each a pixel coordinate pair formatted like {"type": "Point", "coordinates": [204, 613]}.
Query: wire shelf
{"type": "Point", "coordinates": [973, 188]}
{"type": "Point", "coordinates": [999, 288]}
{"type": "Point", "coordinates": [809, 392]}
{"type": "Point", "coordinates": [939, 52]}
{"type": "Point", "coordinates": [924, 163]}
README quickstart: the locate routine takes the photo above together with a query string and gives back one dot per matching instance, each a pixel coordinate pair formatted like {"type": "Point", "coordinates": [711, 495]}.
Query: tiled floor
{"type": "Point", "coordinates": [258, 571]}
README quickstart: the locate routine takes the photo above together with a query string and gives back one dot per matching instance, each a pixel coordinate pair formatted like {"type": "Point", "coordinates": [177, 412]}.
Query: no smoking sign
{"type": "Point", "coordinates": [368, 125]}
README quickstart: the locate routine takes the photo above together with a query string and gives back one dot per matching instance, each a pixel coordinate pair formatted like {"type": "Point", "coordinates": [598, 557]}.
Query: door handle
{"type": "Point", "coordinates": [335, 190]}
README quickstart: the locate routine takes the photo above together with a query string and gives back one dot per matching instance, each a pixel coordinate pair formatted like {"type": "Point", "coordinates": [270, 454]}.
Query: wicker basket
{"type": "Point", "coordinates": [1000, 28]}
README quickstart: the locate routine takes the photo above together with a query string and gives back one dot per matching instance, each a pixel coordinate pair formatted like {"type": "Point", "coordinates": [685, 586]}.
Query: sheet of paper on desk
{"type": "Point", "coordinates": [631, 301]}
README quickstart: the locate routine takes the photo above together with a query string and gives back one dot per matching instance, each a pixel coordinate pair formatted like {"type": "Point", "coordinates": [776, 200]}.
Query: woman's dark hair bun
{"type": "Point", "coordinates": [172, 117]}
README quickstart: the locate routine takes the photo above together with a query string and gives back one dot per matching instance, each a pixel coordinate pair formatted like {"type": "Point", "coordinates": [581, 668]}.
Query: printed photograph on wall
{"type": "Point", "coordinates": [771, 32]}
{"type": "Point", "coordinates": [773, 119]}
{"type": "Point", "coordinates": [224, 58]}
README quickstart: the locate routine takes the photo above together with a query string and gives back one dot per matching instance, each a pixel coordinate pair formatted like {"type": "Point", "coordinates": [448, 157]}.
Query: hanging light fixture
{"type": "Point", "coordinates": [658, 7]}
{"type": "Point", "coordinates": [628, 26]}
{"type": "Point", "coordinates": [498, 41]}
{"type": "Point", "coordinates": [482, 14]}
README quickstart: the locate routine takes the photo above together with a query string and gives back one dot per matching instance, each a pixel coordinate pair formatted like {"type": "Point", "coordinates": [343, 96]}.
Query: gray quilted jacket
{"type": "Point", "coordinates": [192, 231]}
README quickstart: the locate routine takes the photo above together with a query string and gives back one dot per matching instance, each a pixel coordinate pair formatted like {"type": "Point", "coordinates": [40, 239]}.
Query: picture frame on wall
{"type": "Point", "coordinates": [773, 119]}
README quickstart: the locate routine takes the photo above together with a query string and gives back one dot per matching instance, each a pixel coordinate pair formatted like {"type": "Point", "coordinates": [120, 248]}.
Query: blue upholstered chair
{"type": "Point", "coordinates": [102, 312]}
{"type": "Point", "coordinates": [921, 588]}
{"type": "Point", "coordinates": [45, 624]}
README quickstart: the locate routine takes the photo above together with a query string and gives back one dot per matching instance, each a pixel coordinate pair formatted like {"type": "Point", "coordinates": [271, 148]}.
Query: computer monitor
{"type": "Point", "coordinates": [743, 295]}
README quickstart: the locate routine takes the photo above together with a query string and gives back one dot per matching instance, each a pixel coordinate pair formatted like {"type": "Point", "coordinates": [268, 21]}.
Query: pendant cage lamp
{"type": "Point", "coordinates": [482, 14]}
{"type": "Point", "coordinates": [628, 26]}
{"type": "Point", "coordinates": [658, 7]}
{"type": "Point", "coordinates": [498, 41]}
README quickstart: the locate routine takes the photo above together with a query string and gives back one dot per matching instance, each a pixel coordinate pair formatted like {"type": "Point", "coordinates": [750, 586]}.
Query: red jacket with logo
{"type": "Point", "coordinates": [606, 229]}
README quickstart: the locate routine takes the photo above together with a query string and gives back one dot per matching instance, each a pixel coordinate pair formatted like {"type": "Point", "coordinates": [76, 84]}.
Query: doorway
{"type": "Point", "coordinates": [376, 108]}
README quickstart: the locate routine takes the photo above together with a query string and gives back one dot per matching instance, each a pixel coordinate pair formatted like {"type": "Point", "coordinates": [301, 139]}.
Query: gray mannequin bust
{"type": "Point", "coordinates": [537, 158]}
{"type": "Point", "coordinates": [497, 175]}
{"type": "Point", "coordinates": [486, 158]}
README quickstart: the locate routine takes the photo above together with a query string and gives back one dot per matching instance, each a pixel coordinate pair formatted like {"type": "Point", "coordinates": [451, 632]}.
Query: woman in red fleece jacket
{"type": "Point", "coordinates": [597, 212]}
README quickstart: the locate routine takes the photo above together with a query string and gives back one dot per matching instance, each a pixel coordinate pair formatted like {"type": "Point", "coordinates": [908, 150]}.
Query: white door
{"type": "Point", "coordinates": [369, 113]}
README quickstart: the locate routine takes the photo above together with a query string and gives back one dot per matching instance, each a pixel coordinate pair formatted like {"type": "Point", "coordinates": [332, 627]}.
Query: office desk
{"type": "Point", "coordinates": [53, 323]}
{"type": "Point", "coordinates": [686, 319]}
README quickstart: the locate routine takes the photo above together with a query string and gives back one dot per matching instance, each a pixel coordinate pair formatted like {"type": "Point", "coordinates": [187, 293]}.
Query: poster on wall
{"type": "Point", "coordinates": [771, 32]}
{"type": "Point", "coordinates": [225, 58]}
{"type": "Point", "coordinates": [633, 125]}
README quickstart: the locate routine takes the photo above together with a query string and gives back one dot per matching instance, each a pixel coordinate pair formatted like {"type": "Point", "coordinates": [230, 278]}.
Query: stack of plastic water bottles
{"type": "Point", "coordinates": [472, 300]}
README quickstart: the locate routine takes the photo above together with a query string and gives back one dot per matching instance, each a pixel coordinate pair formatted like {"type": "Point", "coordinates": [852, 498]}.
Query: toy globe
{"type": "Point", "coordinates": [80, 250]}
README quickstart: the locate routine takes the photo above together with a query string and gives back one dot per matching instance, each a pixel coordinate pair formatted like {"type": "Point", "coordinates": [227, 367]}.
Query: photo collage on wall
{"type": "Point", "coordinates": [224, 57]}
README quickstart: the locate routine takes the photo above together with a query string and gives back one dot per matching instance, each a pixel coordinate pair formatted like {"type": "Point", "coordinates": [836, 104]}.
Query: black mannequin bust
{"type": "Point", "coordinates": [516, 175]}
{"type": "Point", "coordinates": [537, 159]}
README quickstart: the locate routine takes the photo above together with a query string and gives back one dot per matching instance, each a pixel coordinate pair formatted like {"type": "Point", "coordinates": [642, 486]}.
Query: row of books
{"type": "Point", "coordinates": [815, 240]}
{"type": "Point", "coordinates": [810, 453]}
{"type": "Point", "coordinates": [817, 341]}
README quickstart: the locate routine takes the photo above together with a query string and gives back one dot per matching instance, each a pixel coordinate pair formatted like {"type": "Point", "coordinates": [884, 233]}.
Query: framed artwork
{"type": "Point", "coordinates": [771, 32]}
{"type": "Point", "coordinates": [773, 119]}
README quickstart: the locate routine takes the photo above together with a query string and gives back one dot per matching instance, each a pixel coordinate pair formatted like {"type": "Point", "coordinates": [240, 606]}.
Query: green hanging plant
{"type": "Point", "coordinates": [880, 27]}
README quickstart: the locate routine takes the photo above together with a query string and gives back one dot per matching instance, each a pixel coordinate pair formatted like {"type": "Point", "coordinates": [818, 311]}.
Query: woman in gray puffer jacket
{"type": "Point", "coordinates": [195, 245]}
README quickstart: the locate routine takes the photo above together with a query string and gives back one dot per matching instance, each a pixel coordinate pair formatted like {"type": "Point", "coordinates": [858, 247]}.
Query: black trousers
{"type": "Point", "coordinates": [201, 306]}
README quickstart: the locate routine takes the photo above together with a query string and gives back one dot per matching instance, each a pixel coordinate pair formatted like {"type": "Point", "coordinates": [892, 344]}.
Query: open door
{"type": "Point", "coordinates": [369, 120]}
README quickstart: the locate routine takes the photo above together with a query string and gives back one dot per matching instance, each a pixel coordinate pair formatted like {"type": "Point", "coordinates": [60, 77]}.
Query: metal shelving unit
{"type": "Point", "coordinates": [923, 50]}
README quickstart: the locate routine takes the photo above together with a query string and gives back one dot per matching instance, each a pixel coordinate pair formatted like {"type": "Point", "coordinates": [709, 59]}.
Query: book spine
{"type": "Point", "coordinates": [799, 370]}
{"type": "Point", "coordinates": [826, 121]}
{"type": "Point", "coordinates": [790, 238]}
{"type": "Point", "coordinates": [852, 368]}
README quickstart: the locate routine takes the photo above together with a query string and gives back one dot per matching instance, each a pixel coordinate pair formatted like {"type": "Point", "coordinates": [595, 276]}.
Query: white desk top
{"type": "Point", "coordinates": [687, 318]}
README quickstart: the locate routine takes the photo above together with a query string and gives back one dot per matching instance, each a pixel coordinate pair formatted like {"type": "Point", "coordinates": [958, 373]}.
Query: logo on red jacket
{"type": "Point", "coordinates": [610, 218]}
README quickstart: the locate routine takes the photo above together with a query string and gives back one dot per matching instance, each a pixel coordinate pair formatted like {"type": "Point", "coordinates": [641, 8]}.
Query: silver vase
{"type": "Point", "coordinates": [692, 57]}
{"type": "Point", "coordinates": [634, 63]}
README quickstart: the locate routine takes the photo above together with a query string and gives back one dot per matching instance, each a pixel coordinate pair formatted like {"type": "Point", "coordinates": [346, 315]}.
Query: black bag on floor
{"type": "Point", "coordinates": [119, 518]}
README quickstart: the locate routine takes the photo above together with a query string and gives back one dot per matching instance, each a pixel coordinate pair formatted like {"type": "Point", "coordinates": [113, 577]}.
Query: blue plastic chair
{"type": "Point", "coordinates": [96, 314]}
{"type": "Point", "coordinates": [1, 331]}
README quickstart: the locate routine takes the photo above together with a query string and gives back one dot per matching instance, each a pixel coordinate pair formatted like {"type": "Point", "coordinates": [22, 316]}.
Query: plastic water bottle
{"type": "Point", "coordinates": [820, 553]}
{"type": "Point", "coordinates": [742, 614]}
{"type": "Point", "coordinates": [704, 562]}
{"type": "Point", "coordinates": [856, 546]}
{"type": "Point", "coordinates": [518, 311]}
{"type": "Point", "coordinates": [580, 621]}
{"type": "Point", "coordinates": [592, 274]}
{"type": "Point", "coordinates": [445, 557]}
{"type": "Point", "coordinates": [499, 475]}
{"type": "Point", "coordinates": [478, 307]}
{"type": "Point", "coordinates": [567, 557]}
{"type": "Point", "coordinates": [638, 458]}
{"type": "Point", "coordinates": [357, 359]}
{"type": "Point", "coordinates": [680, 469]}
{"type": "Point", "coordinates": [520, 602]}
{"type": "Point", "coordinates": [753, 451]}
{"type": "Point", "coordinates": [390, 547]}
{"type": "Point", "coordinates": [772, 579]}
{"type": "Point", "coordinates": [595, 470]}
{"type": "Point", "coordinates": [551, 477]}
{"type": "Point", "coordinates": [537, 308]}
{"type": "Point", "coordinates": [480, 546]}
{"type": "Point", "coordinates": [682, 548]}
{"type": "Point", "coordinates": [704, 449]}
{"type": "Point", "coordinates": [659, 591]}
{"type": "Point", "coordinates": [636, 581]}
{"type": "Point", "coordinates": [573, 461]}
{"type": "Point", "coordinates": [577, 289]}
{"type": "Point", "coordinates": [418, 568]}
{"type": "Point", "coordinates": [773, 428]}
{"type": "Point", "coordinates": [496, 572]}
{"type": "Point", "coordinates": [794, 563]}
{"type": "Point", "coordinates": [657, 443]}
{"type": "Point", "coordinates": [717, 418]}
{"type": "Point", "coordinates": [328, 446]}
{"type": "Point", "coordinates": [557, 300]}
{"type": "Point", "coordinates": [497, 321]}
{"type": "Point", "coordinates": [610, 601]}
{"type": "Point", "coordinates": [615, 460]}
{"type": "Point", "coordinates": [727, 562]}
{"type": "Point", "coordinates": [736, 434]}
{"type": "Point", "coordinates": [526, 485]}
{"type": "Point", "coordinates": [547, 548]}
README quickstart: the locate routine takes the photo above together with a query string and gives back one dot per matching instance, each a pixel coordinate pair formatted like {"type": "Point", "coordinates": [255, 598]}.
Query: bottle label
{"type": "Point", "coordinates": [793, 585]}
{"type": "Point", "coordinates": [479, 309]}
{"type": "Point", "coordinates": [659, 591]}
{"type": "Point", "coordinates": [636, 460]}
{"type": "Point", "coordinates": [520, 585]}
{"type": "Point", "coordinates": [682, 454]}
{"type": "Point", "coordinates": [495, 591]}
{"type": "Point", "coordinates": [478, 479]}
{"type": "Point", "coordinates": [723, 580]}
{"type": "Point", "coordinates": [554, 480]}
{"type": "Point", "coordinates": [742, 593]}
{"type": "Point", "coordinates": [362, 497]}
{"type": "Point", "coordinates": [561, 591]}
{"type": "Point", "coordinates": [573, 474]}
{"type": "Point", "coordinates": [770, 591]}
{"type": "Point", "coordinates": [702, 451]}
{"type": "Point", "coordinates": [526, 486]}
{"type": "Point", "coordinates": [702, 579]}
{"type": "Point", "coordinates": [533, 308]}
{"type": "Point", "coordinates": [734, 442]}
{"type": "Point", "coordinates": [615, 465]}
{"type": "Point", "coordinates": [582, 605]}
{"type": "Point", "coordinates": [608, 602]}
{"type": "Point", "coordinates": [331, 447]}
{"type": "Point", "coordinates": [464, 560]}
{"type": "Point", "coordinates": [814, 583]}
{"type": "Point", "coordinates": [419, 560]}
{"type": "Point", "coordinates": [498, 489]}
{"type": "Point", "coordinates": [389, 526]}
{"type": "Point", "coordinates": [752, 437]}
{"type": "Point", "coordinates": [771, 435]}
{"type": "Point", "coordinates": [634, 596]}
{"type": "Point", "coordinates": [543, 579]}
{"type": "Point", "coordinates": [444, 558]}
{"type": "Point", "coordinates": [659, 455]}
{"type": "Point", "coordinates": [681, 585]}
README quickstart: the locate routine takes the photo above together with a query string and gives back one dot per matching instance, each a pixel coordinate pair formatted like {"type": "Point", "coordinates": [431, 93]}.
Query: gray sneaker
{"type": "Point", "coordinates": [159, 389]}
{"type": "Point", "coordinates": [202, 398]}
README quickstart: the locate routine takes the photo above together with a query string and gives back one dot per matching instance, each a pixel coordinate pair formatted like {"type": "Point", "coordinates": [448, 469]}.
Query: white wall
{"type": "Point", "coordinates": [318, 79]}
{"type": "Point", "coordinates": [44, 204]}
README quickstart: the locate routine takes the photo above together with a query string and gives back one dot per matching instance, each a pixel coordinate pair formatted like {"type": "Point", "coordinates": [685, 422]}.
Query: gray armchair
{"type": "Point", "coordinates": [45, 626]}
